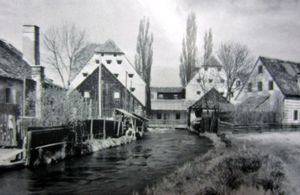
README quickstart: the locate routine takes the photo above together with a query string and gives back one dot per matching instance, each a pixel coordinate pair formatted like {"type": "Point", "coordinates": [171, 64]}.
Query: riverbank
{"type": "Point", "coordinates": [240, 169]}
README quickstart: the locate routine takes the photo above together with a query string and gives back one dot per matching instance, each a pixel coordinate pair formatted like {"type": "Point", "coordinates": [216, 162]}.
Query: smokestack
{"type": "Point", "coordinates": [31, 44]}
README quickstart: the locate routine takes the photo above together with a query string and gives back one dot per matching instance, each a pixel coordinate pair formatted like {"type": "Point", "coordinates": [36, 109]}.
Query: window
{"type": "Point", "coordinates": [116, 95]}
{"type": "Point", "coordinates": [119, 61]}
{"type": "Point", "coordinates": [210, 80]}
{"type": "Point", "coordinates": [8, 95]}
{"type": "Point", "coordinates": [108, 61]}
{"type": "Point", "coordinates": [259, 86]}
{"type": "Point", "coordinates": [198, 80]}
{"type": "Point", "coordinates": [102, 54]}
{"type": "Point", "coordinates": [271, 85]}
{"type": "Point", "coordinates": [177, 116]}
{"type": "Point", "coordinates": [222, 93]}
{"type": "Point", "coordinates": [158, 115]}
{"type": "Point", "coordinates": [260, 69]}
{"type": "Point", "coordinates": [222, 81]}
{"type": "Point", "coordinates": [249, 87]}
{"type": "Point", "coordinates": [160, 96]}
{"type": "Point", "coordinates": [97, 61]}
{"type": "Point", "coordinates": [219, 69]}
{"type": "Point", "coordinates": [238, 83]}
{"type": "Point", "coordinates": [295, 115]}
{"type": "Point", "coordinates": [205, 68]}
{"type": "Point", "coordinates": [115, 54]}
{"type": "Point", "coordinates": [198, 92]}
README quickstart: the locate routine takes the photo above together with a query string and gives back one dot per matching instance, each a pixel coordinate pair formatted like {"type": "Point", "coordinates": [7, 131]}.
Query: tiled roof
{"type": "Point", "coordinates": [108, 47]}
{"type": "Point", "coordinates": [213, 99]}
{"type": "Point", "coordinates": [167, 89]}
{"type": "Point", "coordinates": [169, 105]}
{"type": "Point", "coordinates": [212, 62]}
{"type": "Point", "coordinates": [12, 64]}
{"type": "Point", "coordinates": [284, 74]}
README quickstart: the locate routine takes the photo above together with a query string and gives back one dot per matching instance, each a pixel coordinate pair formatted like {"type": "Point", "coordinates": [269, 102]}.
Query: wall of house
{"type": "Point", "coordinates": [290, 107]}
{"type": "Point", "coordinates": [168, 117]}
{"type": "Point", "coordinates": [211, 77]}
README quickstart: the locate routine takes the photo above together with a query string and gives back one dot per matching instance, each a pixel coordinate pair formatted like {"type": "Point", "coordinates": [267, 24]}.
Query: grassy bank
{"type": "Point", "coordinates": [226, 170]}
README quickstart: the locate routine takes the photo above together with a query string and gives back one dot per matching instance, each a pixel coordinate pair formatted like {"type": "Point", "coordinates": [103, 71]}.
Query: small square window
{"type": "Point", "coordinates": [198, 80]}
{"type": "Point", "coordinates": [249, 87]}
{"type": "Point", "coordinates": [260, 69]}
{"type": "Point", "coordinates": [97, 61]}
{"type": "Point", "coordinates": [177, 116]}
{"type": "Point", "coordinates": [158, 115]}
{"type": "Point", "coordinates": [119, 61]}
{"type": "Point", "coordinates": [295, 115]}
{"type": "Point", "coordinates": [219, 69]}
{"type": "Point", "coordinates": [115, 54]}
{"type": "Point", "coordinates": [205, 68]}
{"type": "Point", "coordinates": [271, 85]}
{"type": "Point", "coordinates": [259, 86]}
{"type": "Point", "coordinates": [210, 80]}
{"type": "Point", "coordinates": [198, 92]}
{"type": "Point", "coordinates": [108, 61]}
{"type": "Point", "coordinates": [222, 81]}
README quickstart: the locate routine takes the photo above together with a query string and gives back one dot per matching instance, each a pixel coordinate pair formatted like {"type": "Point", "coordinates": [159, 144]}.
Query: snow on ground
{"type": "Point", "coordinates": [99, 144]}
{"type": "Point", "coordinates": [8, 154]}
{"type": "Point", "coordinates": [284, 145]}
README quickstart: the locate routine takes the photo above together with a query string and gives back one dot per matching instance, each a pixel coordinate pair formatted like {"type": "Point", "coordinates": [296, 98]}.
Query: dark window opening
{"type": "Point", "coordinates": [108, 61]}
{"type": "Point", "coordinates": [238, 83]}
{"type": "Point", "coordinates": [249, 87]}
{"type": "Point", "coordinates": [219, 69]}
{"type": "Point", "coordinates": [115, 54]}
{"type": "Point", "coordinates": [119, 61]}
{"type": "Point", "coordinates": [205, 68]}
{"type": "Point", "coordinates": [198, 92]}
{"type": "Point", "coordinates": [7, 95]}
{"type": "Point", "coordinates": [295, 115]}
{"type": "Point", "coordinates": [260, 69]}
{"type": "Point", "coordinates": [271, 85]}
{"type": "Point", "coordinates": [158, 115]}
{"type": "Point", "coordinates": [177, 116]}
{"type": "Point", "coordinates": [210, 80]}
{"type": "Point", "coordinates": [222, 81]}
{"type": "Point", "coordinates": [97, 61]}
{"type": "Point", "coordinates": [259, 86]}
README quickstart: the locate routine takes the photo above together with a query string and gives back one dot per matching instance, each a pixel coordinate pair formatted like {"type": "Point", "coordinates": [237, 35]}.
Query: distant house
{"type": "Point", "coordinates": [168, 107]}
{"type": "Point", "coordinates": [273, 86]}
{"type": "Point", "coordinates": [210, 75]}
{"type": "Point", "coordinates": [109, 80]}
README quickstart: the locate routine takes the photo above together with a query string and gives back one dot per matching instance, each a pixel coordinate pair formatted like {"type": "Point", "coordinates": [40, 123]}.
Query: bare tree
{"type": "Point", "coordinates": [208, 45]}
{"type": "Point", "coordinates": [188, 57]}
{"type": "Point", "coordinates": [144, 56]}
{"type": "Point", "coordinates": [237, 61]}
{"type": "Point", "coordinates": [63, 45]}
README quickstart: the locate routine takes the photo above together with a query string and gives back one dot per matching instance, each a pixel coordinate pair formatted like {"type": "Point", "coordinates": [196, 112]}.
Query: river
{"type": "Point", "coordinates": [118, 170]}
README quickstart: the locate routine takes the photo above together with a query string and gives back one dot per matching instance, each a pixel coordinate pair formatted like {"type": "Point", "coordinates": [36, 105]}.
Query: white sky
{"type": "Point", "coordinates": [269, 27]}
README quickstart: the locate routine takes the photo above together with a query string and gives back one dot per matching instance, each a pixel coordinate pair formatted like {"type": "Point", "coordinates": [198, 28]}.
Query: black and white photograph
{"type": "Point", "coordinates": [150, 97]}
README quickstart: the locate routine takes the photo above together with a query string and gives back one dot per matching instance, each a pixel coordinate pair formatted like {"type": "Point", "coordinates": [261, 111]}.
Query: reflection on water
{"type": "Point", "coordinates": [119, 170]}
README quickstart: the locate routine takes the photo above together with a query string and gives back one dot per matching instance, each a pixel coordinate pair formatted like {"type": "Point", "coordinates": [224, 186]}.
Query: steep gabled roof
{"type": "Point", "coordinates": [212, 62]}
{"type": "Point", "coordinates": [12, 64]}
{"type": "Point", "coordinates": [213, 99]}
{"type": "Point", "coordinates": [109, 47]}
{"type": "Point", "coordinates": [284, 74]}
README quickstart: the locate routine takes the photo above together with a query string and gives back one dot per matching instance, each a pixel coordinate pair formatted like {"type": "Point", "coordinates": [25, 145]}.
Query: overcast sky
{"type": "Point", "coordinates": [268, 27]}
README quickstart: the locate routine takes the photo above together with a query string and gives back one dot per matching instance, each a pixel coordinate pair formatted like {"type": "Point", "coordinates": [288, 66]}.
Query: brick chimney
{"type": "Point", "coordinates": [31, 52]}
{"type": "Point", "coordinates": [31, 44]}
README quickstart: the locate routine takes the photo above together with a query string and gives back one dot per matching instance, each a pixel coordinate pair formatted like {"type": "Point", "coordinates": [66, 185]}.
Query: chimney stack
{"type": "Point", "coordinates": [31, 44]}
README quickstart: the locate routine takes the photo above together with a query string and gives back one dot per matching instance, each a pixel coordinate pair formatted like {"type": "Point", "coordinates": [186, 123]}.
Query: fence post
{"type": "Point", "coordinates": [27, 147]}
{"type": "Point", "coordinates": [104, 130]}
{"type": "Point", "coordinates": [119, 124]}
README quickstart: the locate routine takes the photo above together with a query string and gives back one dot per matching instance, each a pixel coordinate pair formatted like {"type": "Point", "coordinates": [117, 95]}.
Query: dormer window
{"type": "Point", "coordinates": [97, 61]}
{"type": "Point", "coordinates": [260, 69]}
{"type": "Point", "coordinates": [119, 61]}
{"type": "Point", "coordinates": [108, 61]}
{"type": "Point", "coordinates": [102, 54]}
{"type": "Point", "coordinates": [130, 75]}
